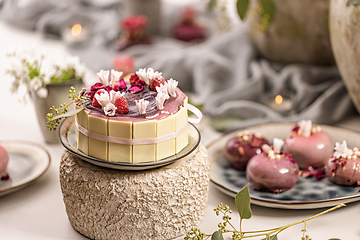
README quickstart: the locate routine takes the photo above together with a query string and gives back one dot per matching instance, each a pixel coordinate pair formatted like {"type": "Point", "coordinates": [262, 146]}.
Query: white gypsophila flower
{"type": "Point", "coordinates": [341, 150]}
{"type": "Point", "coordinates": [115, 76]}
{"type": "Point", "coordinates": [142, 75]}
{"type": "Point", "coordinates": [141, 105]}
{"type": "Point", "coordinates": [305, 127]}
{"type": "Point", "coordinates": [266, 148]}
{"type": "Point", "coordinates": [109, 109]}
{"type": "Point", "coordinates": [171, 87]}
{"type": "Point", "coordinates": [115, 95]}
{"type": "Point", "coordinates": [160, 99]}
{"type": "Point", "coordinates": [163, 89]}
{"type": "Point", "coordinates": [104, 77]}
{"type": "Point", "coordinates": [42, 93]}
{"type": "Point", "coordinates": [103, 98]}
{"type": "Point", "coordinates": [278, 143]}
{"type": "Point", "coordinates": [35, 83]}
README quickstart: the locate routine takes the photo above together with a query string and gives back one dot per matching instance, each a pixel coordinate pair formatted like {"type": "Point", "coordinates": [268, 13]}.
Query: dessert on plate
{"type": "Point", "coordinates": [343, 167]}
{"type": "Point", "coordinates": [4, 160]}
{"type": "Point", "coordinates": [241, 148]}
{"type": "Point", "coordinates": [309, 145]}
{"type": "Point", "coordinates": [140, 120]}
{"type": "Point", "coordinates": [272, 170]}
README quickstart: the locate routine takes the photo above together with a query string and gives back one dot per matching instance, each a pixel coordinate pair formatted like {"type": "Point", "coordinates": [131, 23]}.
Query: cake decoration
{"type": "Point", "coordinates": [162, 89]}
{"type": "Point", "coordinates": [272, 169]}
{"type": "Point", "coordinates": [343, 167]}
{"type": "Point", "coordinates": [141, 105]}
{"type": "Point", "coordinates": [4, 161]}
{"type": "Point", "coordinates": [171, 86]}
{"type": "Point", "coordinates": [309, 145]}
{"type": "Point", "coordinates": [160, 99]}
{"type": "Point", "coordinates": [241, 148]}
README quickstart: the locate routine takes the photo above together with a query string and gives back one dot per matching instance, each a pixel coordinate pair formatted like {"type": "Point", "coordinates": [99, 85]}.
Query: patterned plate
{"type": "Point", "coordinates": [307, 193]}
{"type": "Point", "coordinates": [68, 140]}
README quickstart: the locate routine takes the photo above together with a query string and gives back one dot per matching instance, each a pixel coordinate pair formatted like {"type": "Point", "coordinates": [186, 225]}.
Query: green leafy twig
{"type": "Point", "coordinates": [62, 112]}
{"type": "Point", "coordinates": [355, 3]}
{"type": "Point", "coordinates": [242, 202]}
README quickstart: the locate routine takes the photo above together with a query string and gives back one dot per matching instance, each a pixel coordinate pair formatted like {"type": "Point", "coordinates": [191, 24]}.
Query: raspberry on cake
{"type": "Point", "coordinates": [272, 170]}
{"type": "Point", "coordinates": [144, 120]}
{"type": "Point", "coordinates": [343, 167]}
{"type": "Point", "coordinates": [309, 145]}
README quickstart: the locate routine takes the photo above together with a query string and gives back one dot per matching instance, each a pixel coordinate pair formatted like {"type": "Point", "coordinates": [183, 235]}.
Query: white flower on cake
{"type": "Point", "coordinates": [107, 101]}
{"type": "Point", "coordinates": [171, 87]}
{"type": "Point", "coordinates": [115, 76]}
{"type": "Point", "coordinates": [278, 143]}
{"type": "Point", "coordinates": [266, 148]}
{"type": "Point", "coordinates": [115, 95]}
{"type": "Point", "coordinates": [142, 75]}
{"type": "Point", "coordinates": [163, 89]}
{"type": "Point", "coordinates": [341, 150]}
{"type": "Point", "coordinates": [104, 77]}
{"type": "Point", "coordinates": [160, 99]}
{"type": "Point", "coordinates": [305, 127]}
{"type": "Point", "coordinates": [141, 105]}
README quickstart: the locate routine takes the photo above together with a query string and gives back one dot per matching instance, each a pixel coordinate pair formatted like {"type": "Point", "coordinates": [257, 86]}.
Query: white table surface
{"type": "Point", "coordinates": [37, 212]}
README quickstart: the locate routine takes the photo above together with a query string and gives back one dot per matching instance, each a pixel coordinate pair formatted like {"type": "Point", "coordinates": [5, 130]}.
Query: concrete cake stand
{"type": "Point", "coordinates": [160, 203]}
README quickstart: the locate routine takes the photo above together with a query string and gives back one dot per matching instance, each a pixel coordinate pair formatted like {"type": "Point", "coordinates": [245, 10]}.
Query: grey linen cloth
{"type": "Point", "coordinates": [225, 73]}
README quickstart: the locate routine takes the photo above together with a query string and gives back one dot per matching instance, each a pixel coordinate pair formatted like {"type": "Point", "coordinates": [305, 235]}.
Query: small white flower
{"type": "Point", "coordinates": [171, 87]}
{"type": "Point", "coordinates": [278, 143]}
{"type": "Point", "coordinates": [103, 98]}
{"type": "Point", "coordinates": [163, 89]}
{"type": "Point", "coordinates": [42, 93]}
{"type": "Point", "coordinates": [160, 99]}
{"type": "Point", "coordinates": [305, 127]}
{"type": "Point", "coordinates": [115, 95]}
{"type": "Point", "coordinates": [143, 76]}
{"type": "Point", "coordinates": [266, 148]}
{"type": "Point", "coordinates": [35, 83]}
{"type": "Point", "coordinates": [115, 76]}
{"type": "Point", "coordinates": [341, 150]}
{"type": "Point", "coordinates": [141, 106]}
{"type": "Point", "coordinates": [109, 109]}
{"type": "Point", "coordinates": [104, 77]}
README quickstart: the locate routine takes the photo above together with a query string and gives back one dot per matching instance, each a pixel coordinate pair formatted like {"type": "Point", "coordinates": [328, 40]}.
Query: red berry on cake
{"type": "Point", "coordinates": [156, 82]}
{"type": "Point", "coordinates": [272, 170]}
{"type": "Point", "coordinates": [121, 105]}
{"type": "Point", "coordinates": [241, 148]}
{"type": "Point", "coordinates": [95, 102]}
{"type": "Point", "coordinates": [343, 167]}
{"type": "Point", "coordinates": [309, 145]}
{"type": "Point", "coordinates": [4, 160]}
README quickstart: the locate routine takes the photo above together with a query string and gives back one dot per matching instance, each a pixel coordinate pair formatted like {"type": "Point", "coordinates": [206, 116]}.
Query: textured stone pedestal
{"type": "Point", "coordinates": [160, 203]}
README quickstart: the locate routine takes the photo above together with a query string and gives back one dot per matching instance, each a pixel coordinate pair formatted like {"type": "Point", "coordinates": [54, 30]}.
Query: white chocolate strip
{"type": "Point", "coordinates": [128, 141]}
{"type": "Point", "coordinates": [196, 112]}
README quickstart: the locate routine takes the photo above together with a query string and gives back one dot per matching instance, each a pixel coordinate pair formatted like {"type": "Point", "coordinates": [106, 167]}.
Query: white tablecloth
{"type": "Point", "coordinates": [37, 212]}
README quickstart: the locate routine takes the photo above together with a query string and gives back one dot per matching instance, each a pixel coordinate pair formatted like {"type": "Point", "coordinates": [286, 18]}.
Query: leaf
{"type": "Point", "coordinates": [268, 12]}
{"type": "Point", "coordinates": [242, 7]}
{"type": "Point", "coordinates": [354, 3]}
{"type": "Point", "coordinates": [272, 237]}
{"type": "Point", "coordinates": [212, 4]}
{"type": "Point", "coordinates": [67, 114]}
{"type": "Point", "coordinates": [217, 235]}
{"type": "Point", "coordinates": [242, 202]}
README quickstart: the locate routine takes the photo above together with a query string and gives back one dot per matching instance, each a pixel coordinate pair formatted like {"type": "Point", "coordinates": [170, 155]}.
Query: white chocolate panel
{"type": "Point", "coordinates": [120, 152]}
{"type": "Point", "coordinates": [98, 148]}
{"type": "Point", "coordinates": [82, 140]}
{"type": "Point", "coordinates": [164, 127]}
{"type": "Point", "coordinates": [144, 152]}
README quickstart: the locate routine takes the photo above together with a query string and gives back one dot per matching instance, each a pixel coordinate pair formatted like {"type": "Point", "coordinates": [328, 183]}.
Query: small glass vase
{"type": "Point", "coordinates": [57, 94]}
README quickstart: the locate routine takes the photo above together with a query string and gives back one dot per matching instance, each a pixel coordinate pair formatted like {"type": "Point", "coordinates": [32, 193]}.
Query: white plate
{"type": "Point", "coordinates": [28, 161]}
{"type": "Point", "coordinates": [68, 140]}
{"type": "Point", "coordinates": [307, 193]}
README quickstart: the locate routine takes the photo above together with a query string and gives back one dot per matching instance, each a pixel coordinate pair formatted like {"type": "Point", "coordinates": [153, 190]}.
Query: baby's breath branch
{"type": "Point", "coordinates": [54, 120]}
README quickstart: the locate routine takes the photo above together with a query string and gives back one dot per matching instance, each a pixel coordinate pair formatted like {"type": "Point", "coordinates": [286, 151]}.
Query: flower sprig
{"type": "Point", "coordinates": [62, 112]}
{"type": "Point", "coordinates": [242, 202]}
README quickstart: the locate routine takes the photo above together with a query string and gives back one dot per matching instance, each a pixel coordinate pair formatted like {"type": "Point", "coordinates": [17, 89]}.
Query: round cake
{"type": "Point", "coordinates": [309, 145]}
{"type": "Point", "coordinates": [143, 119]}
{"type": "Point", "coordinates": [272, 170]}
{"type": "Point", "coordinates": [343, 167]}
{"type": "Point", "coordinates": [241, 148]}
{"type": "Point", "coordinates": [4, 160]}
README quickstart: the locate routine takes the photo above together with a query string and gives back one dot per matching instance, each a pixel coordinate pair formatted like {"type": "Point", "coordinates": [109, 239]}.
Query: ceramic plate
{"type": "Point", "coordinates": [307, 193]}
{"type": "Point", "coordinates": [68, 140]}
{"type": "Point", "coordinates": [28, 161]}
